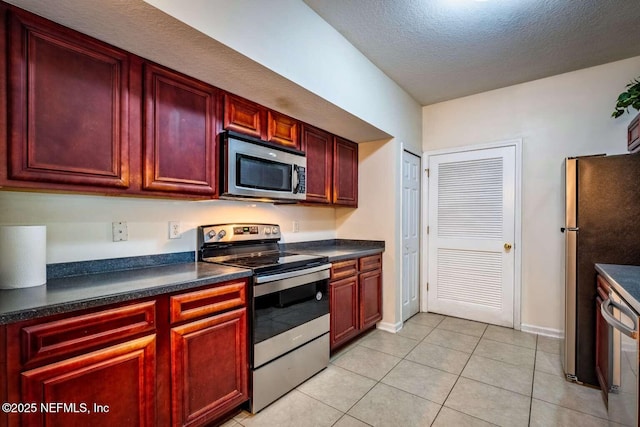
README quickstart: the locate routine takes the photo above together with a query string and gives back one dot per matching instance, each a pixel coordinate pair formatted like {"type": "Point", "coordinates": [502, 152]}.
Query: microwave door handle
{"type": "Point", "coordinates": [615, 323]}
{"type": "Point", "coordinates": [296, 182]}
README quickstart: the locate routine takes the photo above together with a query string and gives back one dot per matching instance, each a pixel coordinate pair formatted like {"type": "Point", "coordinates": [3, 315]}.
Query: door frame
{"type": "Point", "coordinates": [517, 280]}
{"type": "Point", "coordinates": [421, 235]}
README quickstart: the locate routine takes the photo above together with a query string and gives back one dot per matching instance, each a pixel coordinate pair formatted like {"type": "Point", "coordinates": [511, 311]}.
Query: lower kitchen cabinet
{"type": "Point", "coordinates": [178, 359]}
{"type": "Point", "coordinates": [208, 367]}
{"type": "Point", "coordinates": [370, 287]}
{"type": "Point", "coordinates": [344, 310]}
{"type": "Point", "coordinates": [110, 387]}
{"type": "Point", "coordinates": [356, 298]}
{"type": "Point", "coordinates": [93, 368]}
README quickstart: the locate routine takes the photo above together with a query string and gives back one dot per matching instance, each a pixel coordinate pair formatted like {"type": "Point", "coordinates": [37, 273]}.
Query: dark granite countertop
{"type": "Point", "coordinates": [81, 285]}
{"type": "Point", "coordinates": [62, 295]}
{"type": "Point", "coordinates": [625, 279]}
{"type": "Point", "coordinates": [337, 249]}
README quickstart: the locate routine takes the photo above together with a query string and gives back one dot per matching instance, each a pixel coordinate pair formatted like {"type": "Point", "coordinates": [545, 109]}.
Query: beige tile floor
{"type": "Point", "coordinates": [438, 371]}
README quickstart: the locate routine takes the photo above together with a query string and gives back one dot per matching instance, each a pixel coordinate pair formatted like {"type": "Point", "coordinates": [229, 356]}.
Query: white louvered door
{"type": "Point", "coordinates": [471, 224]}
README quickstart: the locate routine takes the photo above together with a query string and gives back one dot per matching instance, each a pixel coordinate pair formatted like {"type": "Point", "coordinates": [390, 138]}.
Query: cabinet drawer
{"type": "Point", "coordinates": [63, 337]}
{"type": "Point", "coordinates": [207, 301]}
{"type": "Point", "coordinates": [603, 285]}
{"type": "Point", "coordinates": [372, 262]}
{"type": "Point", "coordinates": [342, 269]}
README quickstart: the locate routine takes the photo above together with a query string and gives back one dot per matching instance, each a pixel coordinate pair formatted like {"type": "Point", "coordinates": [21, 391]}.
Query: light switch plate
{"type": "Point", "coordinates": [120, 232]}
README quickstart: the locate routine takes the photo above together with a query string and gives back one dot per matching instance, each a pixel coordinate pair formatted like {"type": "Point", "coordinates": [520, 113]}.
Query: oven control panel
{"type": "Point", "coordinates": [228, 233]}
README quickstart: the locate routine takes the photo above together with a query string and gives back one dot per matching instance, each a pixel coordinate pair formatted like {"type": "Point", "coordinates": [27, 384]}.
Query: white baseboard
{"type": "Point", "coordinates": [547, 332]}
{"type": "Point", "coordinates": [389, 327]}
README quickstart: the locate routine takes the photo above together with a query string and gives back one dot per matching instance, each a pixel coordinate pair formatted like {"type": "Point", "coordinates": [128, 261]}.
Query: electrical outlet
{"type": "Point", "coordinates": [120, 232]}
{"type": "Point", "coordinates": [174, 230]}
{"type": "Point", "coordinates": [296, 226]}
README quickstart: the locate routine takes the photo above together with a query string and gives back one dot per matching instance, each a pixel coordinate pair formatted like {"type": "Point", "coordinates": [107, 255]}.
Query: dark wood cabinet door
{"type": "Point", "coordinates": [209, 367]}
{"type": "Point", "coordinates": [283, 130]}
{"type": "Point", "coordinates": [244, 116]}
{"type": "Point", "coordinates": [318, 146]}
{"type": "Point", "coordinates": [344, 310]}
{"type": "Point", "coordinates": [179, 142]}
{"type": "Point", "coordinates": [121, 379]}
{"type": "Point", "coordinates": [370, 284]}
{"type": "Point", "coordinates": [68, 106]}
{"type": "Point", "coordinates": [345, 172]}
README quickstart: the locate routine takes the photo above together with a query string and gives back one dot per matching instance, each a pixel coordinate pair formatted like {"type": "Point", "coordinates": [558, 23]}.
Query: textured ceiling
{"type": "Point", "coordinates": [444, 49]}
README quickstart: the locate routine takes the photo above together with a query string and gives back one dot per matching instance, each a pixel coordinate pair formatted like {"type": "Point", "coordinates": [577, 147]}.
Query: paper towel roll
{"type": "Point", "coordinates": [23, 256]}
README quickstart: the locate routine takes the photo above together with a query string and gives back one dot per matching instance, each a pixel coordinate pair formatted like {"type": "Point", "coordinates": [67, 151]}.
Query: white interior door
{"type": "Point", "coordinates": [471, 234]}
{"type": "Point", "coordinates": [410, 234]}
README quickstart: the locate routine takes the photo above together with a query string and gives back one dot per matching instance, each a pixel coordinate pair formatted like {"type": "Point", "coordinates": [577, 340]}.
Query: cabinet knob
{"type": "Point", "coordinates": [507, 246]}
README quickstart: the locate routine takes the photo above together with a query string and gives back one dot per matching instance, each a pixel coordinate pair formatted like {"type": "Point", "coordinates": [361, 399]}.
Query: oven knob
{"type": "Point", "coordinates": [222, 233]}
{"type": "Point", "coordinates": [212, 234]}
{"type": "Point", "coordinates": [267, 230]}
{"type": "Point", "coordinates": [275, 230]}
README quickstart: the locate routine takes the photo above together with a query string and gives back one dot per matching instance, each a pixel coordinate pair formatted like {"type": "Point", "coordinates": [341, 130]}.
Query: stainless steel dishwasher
{"type": "Point", "coordinates": [623, 361]}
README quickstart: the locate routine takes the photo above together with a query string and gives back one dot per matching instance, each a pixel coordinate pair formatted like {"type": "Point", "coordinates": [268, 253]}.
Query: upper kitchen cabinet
{"type": "Point", "coordinates": [67, 108]}
{"type": "Point", "coordinates": [179, 133]}
{"type": "Point", "coordinates": [345, 172]}
{"type": "Point", "coordinates": [244, 116]}
{"type": "Point", "coordinates": [249, 118]}
{"type": "Point", "coordinates": [318, 146]}
{"type": "Point", "coordinates": [283, 130]}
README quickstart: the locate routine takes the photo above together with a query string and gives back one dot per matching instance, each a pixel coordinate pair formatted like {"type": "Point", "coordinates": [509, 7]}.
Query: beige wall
{"type": "Point", "coordinates": [377, 212]}
{"type": "Point", "coordinates": [79, 227]}
{"type": "Point", "coordinates": [556, 117]}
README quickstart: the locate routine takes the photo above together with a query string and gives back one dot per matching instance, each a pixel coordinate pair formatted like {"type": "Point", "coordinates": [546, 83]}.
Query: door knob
{"type": "Point", "coordinates": [507, 246]}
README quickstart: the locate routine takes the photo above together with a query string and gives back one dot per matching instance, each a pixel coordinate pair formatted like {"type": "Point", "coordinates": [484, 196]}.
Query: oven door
{"type": "Point", "coordinates": [254, 170]}
{"type": "Point", "coordinates": [289, 310]}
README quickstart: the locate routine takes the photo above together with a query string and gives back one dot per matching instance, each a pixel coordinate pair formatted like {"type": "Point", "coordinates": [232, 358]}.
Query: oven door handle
{"type": "Point", "coordinates": [290, 274]}
{"type": "Point", "coordinates": [303, 277]}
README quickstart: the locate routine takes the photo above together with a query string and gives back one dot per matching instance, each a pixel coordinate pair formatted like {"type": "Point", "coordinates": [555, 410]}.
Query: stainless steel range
{"type": "Point", "coordinates": [290, 305]}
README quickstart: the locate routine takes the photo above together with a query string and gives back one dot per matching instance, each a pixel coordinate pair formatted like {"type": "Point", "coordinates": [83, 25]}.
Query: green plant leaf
{"type": "Point", "coordinates": [628, 98]}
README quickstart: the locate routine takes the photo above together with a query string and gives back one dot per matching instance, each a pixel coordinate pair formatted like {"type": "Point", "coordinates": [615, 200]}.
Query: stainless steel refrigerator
{"type": "Point", "coordinates": [602, 225]}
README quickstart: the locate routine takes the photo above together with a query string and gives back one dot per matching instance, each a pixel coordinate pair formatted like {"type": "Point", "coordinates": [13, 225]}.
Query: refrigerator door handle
{"type": "Point", "coordinates": [563, 229]}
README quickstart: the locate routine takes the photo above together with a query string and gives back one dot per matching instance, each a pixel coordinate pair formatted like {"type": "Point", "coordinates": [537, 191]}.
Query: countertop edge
{"type": "Point", "coordinates": [99, 301]}
{"type": "Point", "coordinates": [630, 299]}
{"type": "Point", "coordinates": [356, 254]}
{"type": "Point", "coordinates": [337, 249]}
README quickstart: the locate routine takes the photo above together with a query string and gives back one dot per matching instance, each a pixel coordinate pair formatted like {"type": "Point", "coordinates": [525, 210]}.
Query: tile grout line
{"type": "Point", "coordinates": [533, 378]}
{"type": "Point", "coordinates": [356, 344]}
{"type": "Point", "coordinates": [460, 375]}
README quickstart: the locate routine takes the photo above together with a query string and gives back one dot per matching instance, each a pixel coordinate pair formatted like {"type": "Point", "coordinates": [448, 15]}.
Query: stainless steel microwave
{"type": "Point", "coordinates": [253, 169]}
